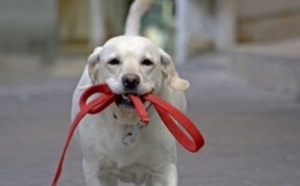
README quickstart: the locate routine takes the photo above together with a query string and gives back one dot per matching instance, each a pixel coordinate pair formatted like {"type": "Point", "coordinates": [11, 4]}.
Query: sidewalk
{"type": "Point", "coordinates": [252, 136]}
{"type": "Point", "coordinates": [271, 66]}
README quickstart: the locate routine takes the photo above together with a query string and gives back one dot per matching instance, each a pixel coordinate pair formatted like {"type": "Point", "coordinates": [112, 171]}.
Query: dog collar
{"type": "Point", "coordinates": [166, 111]}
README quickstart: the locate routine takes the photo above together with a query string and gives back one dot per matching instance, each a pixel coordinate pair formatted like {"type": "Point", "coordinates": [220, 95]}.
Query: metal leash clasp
{"type": "Point", "coordinates": [130, 137]}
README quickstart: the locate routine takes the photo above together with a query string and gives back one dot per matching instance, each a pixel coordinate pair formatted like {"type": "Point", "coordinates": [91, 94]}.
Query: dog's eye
{"type": "Point", "coordinates": [147, 62]}
{"type": "Point", "coordinates": [114, 62]}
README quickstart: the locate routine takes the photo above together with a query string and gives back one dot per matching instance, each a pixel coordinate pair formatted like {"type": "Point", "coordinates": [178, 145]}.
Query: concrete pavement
{"type": "Point", "coordinates": [252, 136]}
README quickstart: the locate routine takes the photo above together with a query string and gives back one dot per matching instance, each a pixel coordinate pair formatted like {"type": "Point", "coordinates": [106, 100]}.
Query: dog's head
{"type": "Point", "coordinates": [133, 64]}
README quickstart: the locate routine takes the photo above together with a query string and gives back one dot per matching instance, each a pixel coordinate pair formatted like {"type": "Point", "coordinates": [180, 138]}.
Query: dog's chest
{"type": "Point", "coordinates": [129, 163]}
{"type": "Point", "coordinates": [146, 149]}
{"type": "Point", "coordinates": [124, 156]}
{"type": "Point", "coordinates": [134, 173]}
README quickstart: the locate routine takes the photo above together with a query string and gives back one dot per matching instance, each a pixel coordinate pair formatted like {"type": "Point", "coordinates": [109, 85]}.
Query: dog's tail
{"type": "Point", "coordinates": [136, 12]}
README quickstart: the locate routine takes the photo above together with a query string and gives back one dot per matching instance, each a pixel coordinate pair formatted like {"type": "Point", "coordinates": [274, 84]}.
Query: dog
{"type": "Point", "coordinates": [129, 64]}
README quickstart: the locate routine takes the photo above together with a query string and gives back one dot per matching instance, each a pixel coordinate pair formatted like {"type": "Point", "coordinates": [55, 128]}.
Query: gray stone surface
{"type": "Point", "coordinates": [252, 136]}
{"type": "Point", "coordinates": [273, 66]}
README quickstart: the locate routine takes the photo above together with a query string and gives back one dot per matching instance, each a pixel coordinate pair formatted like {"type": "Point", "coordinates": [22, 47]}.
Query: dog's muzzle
{"type": "Point", "coordinates": [130, 82]}
{"type": "Point", "coordinates": [124, 100]}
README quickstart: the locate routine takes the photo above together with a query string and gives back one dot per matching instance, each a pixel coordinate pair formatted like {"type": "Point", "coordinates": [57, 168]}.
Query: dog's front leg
{"type": "Point", "coordinates": [95, 177]}
{"type": "Point", "coordinates": [166, 177]}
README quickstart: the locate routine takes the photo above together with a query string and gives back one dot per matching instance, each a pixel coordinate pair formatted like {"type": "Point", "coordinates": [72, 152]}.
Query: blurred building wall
{"type": "Point", "coordinates": [74, 22]}
{"type": "Point", "coordinates": [39, 25]}
{"type": "Point", "coordinates": [268, 20]}
{"type": "Point", "coordinates": [203, 25]}
{"type": "Point", "coordinates": [221, 24]}
{"type": "Point", "coordinates": [28, 25]}
{"type": "Point", "coordinates": [85, 24]}
{"type": "Point", "coordinates": [74, 26]}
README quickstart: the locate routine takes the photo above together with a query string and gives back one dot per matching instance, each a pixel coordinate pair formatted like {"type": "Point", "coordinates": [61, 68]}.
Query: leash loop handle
{"type": "Point", "coordinates": [98, 104]}
{"type": "Point", "coordinates": [165, 111]}
{"type": "Point", "coordinates": [93, 90]}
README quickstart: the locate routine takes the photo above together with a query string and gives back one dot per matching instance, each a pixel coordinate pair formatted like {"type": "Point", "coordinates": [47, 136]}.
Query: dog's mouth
{"type": "Point", "coordinates": [124, 101]}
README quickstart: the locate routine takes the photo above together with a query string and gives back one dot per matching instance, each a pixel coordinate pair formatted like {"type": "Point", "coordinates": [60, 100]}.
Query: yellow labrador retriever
{"type": "Point", "coordinates": [129, 64]}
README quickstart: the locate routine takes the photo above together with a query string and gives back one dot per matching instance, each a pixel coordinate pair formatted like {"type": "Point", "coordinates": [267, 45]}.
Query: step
{"type": "Point", "coordinates": [275, 67]}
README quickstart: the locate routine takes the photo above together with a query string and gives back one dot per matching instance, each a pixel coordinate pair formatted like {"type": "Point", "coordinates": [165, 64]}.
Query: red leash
{"type": "Point", "coordinates": [166, 111]}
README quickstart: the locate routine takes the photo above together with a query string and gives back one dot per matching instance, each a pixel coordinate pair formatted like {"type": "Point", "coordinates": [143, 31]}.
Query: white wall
{"type": "Point", "coordinates": [202, 24]}
{"type": "Point", "coordinates": [27, 24]}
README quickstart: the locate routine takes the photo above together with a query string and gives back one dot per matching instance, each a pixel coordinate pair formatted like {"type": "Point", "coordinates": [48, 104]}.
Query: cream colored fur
{"type": "Point", "coordinates": [151, 159]}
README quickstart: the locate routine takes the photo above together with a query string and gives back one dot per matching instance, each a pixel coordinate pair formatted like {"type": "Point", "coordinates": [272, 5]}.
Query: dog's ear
{"type": "Point", "coordinates": [93, 63]}
{"type": "Point", "coordinates": [171, 74]}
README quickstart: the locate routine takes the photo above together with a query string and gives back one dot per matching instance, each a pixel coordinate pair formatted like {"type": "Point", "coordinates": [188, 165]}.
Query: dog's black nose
{"type": "Point", "coordinates": [130, 80]}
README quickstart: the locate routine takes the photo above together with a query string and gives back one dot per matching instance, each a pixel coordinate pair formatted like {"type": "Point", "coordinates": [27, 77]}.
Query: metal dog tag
{"type": "Point", "coordinates": [130, 137]}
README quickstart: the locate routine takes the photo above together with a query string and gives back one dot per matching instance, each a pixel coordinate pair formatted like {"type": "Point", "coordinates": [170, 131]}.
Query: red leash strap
{"type": "Point", "coordinates": [166, 111]}
{"type": "Point", "coordinates": [93, 107]}
{"type": "Point", "coordinates": [140, 108]}
{"type": "Point", "coordinates": [96, 89]}
{"type": "Point", "coordinates": [98, 104]}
